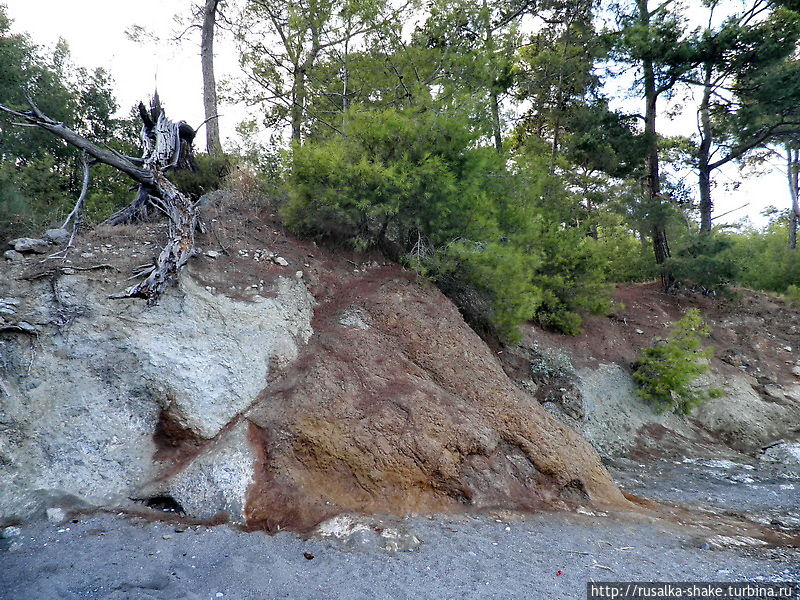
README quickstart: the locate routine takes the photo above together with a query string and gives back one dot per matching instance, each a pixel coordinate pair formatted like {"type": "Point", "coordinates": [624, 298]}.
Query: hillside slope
{"type": "Point", "coordinates": [586, 380]}
{"type": "Point", "coordinates": [274, 393]}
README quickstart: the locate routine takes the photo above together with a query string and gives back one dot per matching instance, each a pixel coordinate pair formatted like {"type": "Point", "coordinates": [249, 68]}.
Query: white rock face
{"type": "Point", "coordinates": [79, 404]}
{"type": "Point", "coordinates": [217, 481]}
{"type": "Point", "coordinates": [742, 417]}
{"type": "Point", "coordinates": [614, 415]}
{"type": "Point", "coordinates": [214, 352]}
{"type": "Point", "coordinates": [785, 452]}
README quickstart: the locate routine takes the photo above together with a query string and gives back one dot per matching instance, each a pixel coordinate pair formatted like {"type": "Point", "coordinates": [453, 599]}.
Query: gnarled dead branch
{"type": "Point", "coordinates": [167, 145]}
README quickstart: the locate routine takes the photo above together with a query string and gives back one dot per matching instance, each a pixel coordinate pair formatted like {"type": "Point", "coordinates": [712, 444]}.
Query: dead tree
{"type": "Point", "coordinates": [167, 145]}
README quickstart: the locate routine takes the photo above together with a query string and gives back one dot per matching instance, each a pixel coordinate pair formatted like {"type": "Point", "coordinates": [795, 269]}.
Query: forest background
{"type": "Point", "coordinates": [521, 154]}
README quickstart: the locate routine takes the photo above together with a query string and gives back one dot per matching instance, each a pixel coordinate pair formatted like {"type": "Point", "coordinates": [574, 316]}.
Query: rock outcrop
{"type": "Point", "coordinates": [586, 380]}
{"type": "Point", "coordinates": [86, 401]}
{"type": "Point", "coordinates": [273, 397]}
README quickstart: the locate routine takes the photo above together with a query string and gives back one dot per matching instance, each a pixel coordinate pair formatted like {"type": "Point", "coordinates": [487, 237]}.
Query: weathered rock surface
{"type": "Point", "coordinates": [617, 422]}
{"type": "Point", "coordinates": [56, 236]}
{"type": "Point", "coordinates": [34, 245]}
{"type": "Point", "coordinates": [301, 399]}
{"type": "Point", "coordinates": [81, 404]}
{"type": "Point", "coordinates": [586, 380]}
{"type": "Point", "coordinates": [786, 453]}
{"type": "Point", "coordinates": [13, 256]}
{"type": "Point", "coordinates": [410, 413]}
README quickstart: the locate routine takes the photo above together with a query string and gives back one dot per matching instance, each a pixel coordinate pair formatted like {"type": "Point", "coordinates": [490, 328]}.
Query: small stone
{"type": "Point", "coordinates": [639, 331]}
{"type": "Point", "coordinates": [11, 532]}
{"type": "Point", "coordinates": [212, 254]}
{"type": "Point", "coordinates": [796, 370]}
{"type": "Point", "coordinates": [56, 515]}
{"type": "Point", "coordinates": [299, 274]}
{"type": "Point", "coordinates": [30, 245]}
{"type": "Point", "coordinates": [25, 326]}
{"type": "Point", "coordinates": [167, 537]}
{"type": "Point", "coordinates": [279, 260]}
{"type": "Point", "coordinates": [57, 236]}
{"type": "Point", "coordinates": [787, 348]}
{"type": "Point", "coordinates": [87, 254]}
{"type": "Point", "coordinates": [13, 255]}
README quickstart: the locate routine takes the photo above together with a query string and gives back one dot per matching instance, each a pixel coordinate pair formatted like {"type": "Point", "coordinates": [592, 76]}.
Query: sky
{"type": "Point", "coordinates": [95, 32]}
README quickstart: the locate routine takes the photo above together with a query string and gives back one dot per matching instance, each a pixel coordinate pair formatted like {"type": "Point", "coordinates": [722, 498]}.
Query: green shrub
{"type": "Point", "coordinates": [572, 279]}
{"type": "Point", "coordinates": [792, 294]}
{"type": "Point", "coordinates": [498, 238]}
{"type": "Point", "coordinates": [209, 176]}
{"type": "Point", "coordinates": [706, 261]}
{"type": "Point", "coordinates": [767, 262]}
{"type": "Point", "coordinates": [490, 283]}
{"type": "Point", "coordinates": [666, 371]}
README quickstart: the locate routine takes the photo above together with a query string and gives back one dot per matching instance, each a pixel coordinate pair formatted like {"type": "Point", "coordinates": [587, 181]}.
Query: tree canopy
{"type": "Point", "coordinates": [519, 153]}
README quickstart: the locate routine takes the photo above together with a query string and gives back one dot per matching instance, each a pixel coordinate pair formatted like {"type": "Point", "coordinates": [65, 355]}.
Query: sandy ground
{"type": "Point", "coordinates": [547, 556]}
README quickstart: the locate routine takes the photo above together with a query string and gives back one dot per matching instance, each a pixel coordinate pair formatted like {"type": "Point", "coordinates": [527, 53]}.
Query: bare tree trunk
{"type": "Point", "coordinates": [660, 242]}
{"type": "Point", "coordinates": [298, 109]}
{"type": "Point", "coordinates": [167, 145]}
{"type": "Point", "coordinates": [793, 172]}
{"type": "Point", "coordinates": [213, 143]}
{"type": "Point", "coordinates": [704, 154]}
{"type": "Point", "coordinates": [494, 99]}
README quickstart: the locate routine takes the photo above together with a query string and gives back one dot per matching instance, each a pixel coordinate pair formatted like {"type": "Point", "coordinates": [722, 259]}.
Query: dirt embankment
{"type": "Point", "coordinates": [586, 380]}
{"type": "Point", "coordinates": [752, 332]}
{"type": "Point", "coordinates": [278, 382]}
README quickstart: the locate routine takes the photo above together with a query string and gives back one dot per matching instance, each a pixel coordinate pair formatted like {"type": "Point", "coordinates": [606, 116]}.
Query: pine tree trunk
{"type": "Point", "coordinates": [793, 172]}
{"type": "Point", "coordinates": [706, 204]}
{"type": "Point", "coordinates": [213, 143]}
{"type": "Point", "coordinates": [704, 154]}
{"type": "Point", "coordinates": [297, 112]}
{"type": "Point", "coordinates": [660, 242]}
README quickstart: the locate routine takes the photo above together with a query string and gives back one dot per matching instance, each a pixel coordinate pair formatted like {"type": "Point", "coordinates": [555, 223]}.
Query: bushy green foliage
{"type": "Point", "coordinates": [767, 263]}
{"type": "Point", "coordinates": [792, 294]}
{"type": "Point", "coordinates": [395, 173]}
{"type": "Point", "coordinates": [571, 277]}
{"type": "Point", "coordinates": [501, 241]}
{"type": "Point", "coordinates": [490, 283]}
{"type": "Point", "coordinates": [40, 176]}
{"type": "Point", "coordinates": [210, 172]}
{"type": "Point", "coordinates": [666, 371]}
{"type": "Point", "coordinates": [706, 261]}
{"type": "Point", "coordinates": [624, 256]}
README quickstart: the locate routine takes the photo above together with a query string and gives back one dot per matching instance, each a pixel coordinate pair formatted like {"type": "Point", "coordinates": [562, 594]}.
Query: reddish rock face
{"type": "Point", "coordinates": [396, 405]}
